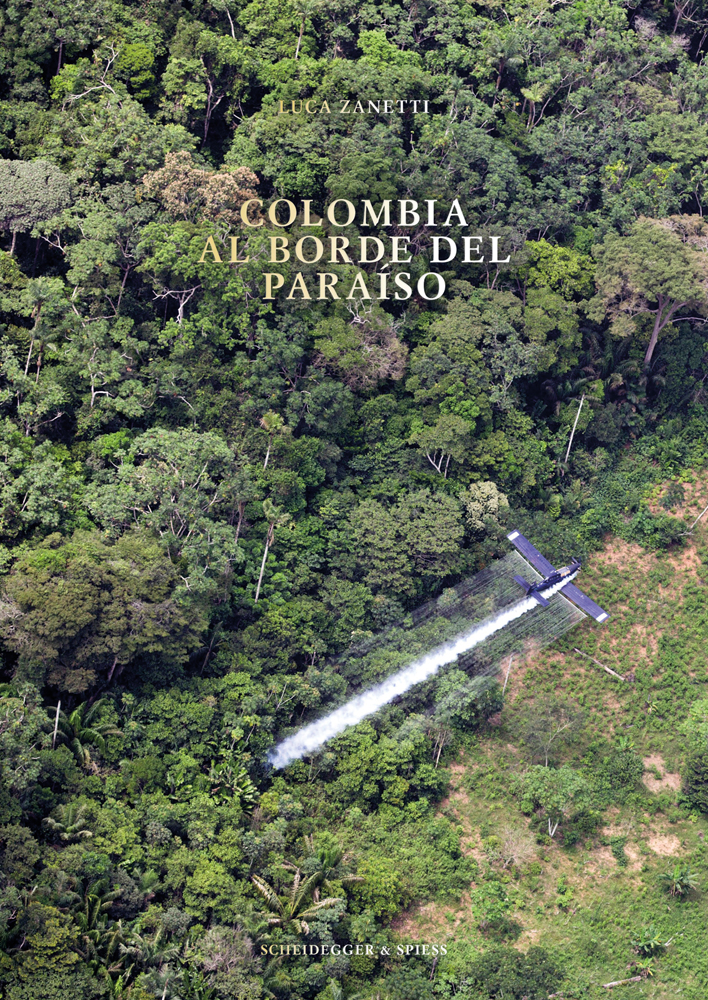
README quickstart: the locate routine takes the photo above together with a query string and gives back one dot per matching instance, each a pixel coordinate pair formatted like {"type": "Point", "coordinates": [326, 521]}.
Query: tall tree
{"type": "Point", "coordinates": [30, 192]}
{"type": "Point", "coordinates": [657, 270]}
{"type": "Point", "coordinates": [78, 610]}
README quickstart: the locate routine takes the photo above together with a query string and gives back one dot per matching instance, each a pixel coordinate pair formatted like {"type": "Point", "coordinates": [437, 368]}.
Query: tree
{"type": "Point", "coordinates": [82, 729]}
{"type": "Point", "coordinates": [550, 722]}
{"type": "Point", "coordinates": [184, 485]}
{"type": "Point", "coordinates": [101, 940]}
{"type": "Point", "coordinates": [272, 423]}
{"type": "Point", "coordinates": [71, 823]}
{"type": "Point", "coordinates": [658, 269]}
{"type": "Point", "coordinates": [649, 942]}
{"type": "Point", "coordinates": [695, 779]}
{"type": "Point", "coordinates": [695, 774]}
{"type": "Point", "coordinates": [325, 860]}
{"type": "Point", "coordinates": [275, 518]}
{"type": "Point", "coordinates": [555, 792]}
{"type": "Point", "coordinates": [463, 701]}
{"type": "Point", "coordinates": [517, 846]}
{"type": "Point", "coordinates": [483, 501]}
{"type": "Point", "coordinates": [292, 912]}
{"type": "Point", "coordinates": [80, 610]}
{"type": "Point", "coordinates": [37, 483]}
{"type": "Point", "coordinates": [59, 25]}
{"type": "Point", "coordinates": [381, 890]}
{"type": "Point", "coordinates": [680, 881]}
{"type": "Point", "coordinates": [192, 193]}
{"type": "Point", "coordinates": [204, 68]}
{"type": "Point", "coordinates": [24, 733]}
{"type": "Point", "coordinates": [362, 352]}
{"type": "Point", "coordinates": [230, 781]}
{"type": "Point", "coordinates": [509, 973]}
{"type": "Point", "coordinates": [30, 192]}
{"type": "Point", "coordinates": [408, 545]}
{"type": "Point", "coordinates": [448, 438]}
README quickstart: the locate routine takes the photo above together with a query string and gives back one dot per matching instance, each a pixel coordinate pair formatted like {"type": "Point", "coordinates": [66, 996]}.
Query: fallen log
{"type": "Point", "coordinates": [622, 982]}
{"type": "Point", "coordinates": [587, 657]}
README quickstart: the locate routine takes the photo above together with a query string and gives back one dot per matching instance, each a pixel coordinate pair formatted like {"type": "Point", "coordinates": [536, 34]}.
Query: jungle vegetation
{"type": "Point", "coordinates": [206, 498]}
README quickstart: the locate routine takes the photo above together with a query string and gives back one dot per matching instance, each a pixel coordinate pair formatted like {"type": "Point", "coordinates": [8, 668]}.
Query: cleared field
{"type": "Point", "coordinates": [588, 902]}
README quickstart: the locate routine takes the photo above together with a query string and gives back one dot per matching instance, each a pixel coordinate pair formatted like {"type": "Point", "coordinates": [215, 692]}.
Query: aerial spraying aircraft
{"type": "Point", "coordinates": [553, 576]}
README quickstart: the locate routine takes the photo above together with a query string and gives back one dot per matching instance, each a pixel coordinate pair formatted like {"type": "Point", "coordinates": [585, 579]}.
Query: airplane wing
{"type": "Point", "coordinates": [531, 553]}
{"type": "Point", "coordinates": [584, 602]}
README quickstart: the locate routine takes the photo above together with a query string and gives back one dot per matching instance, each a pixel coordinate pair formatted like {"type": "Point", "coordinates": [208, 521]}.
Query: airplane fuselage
{"type": "Point", "coordinates": [563, 575]}
{"type": "Point", "coordinates": [566, 573]}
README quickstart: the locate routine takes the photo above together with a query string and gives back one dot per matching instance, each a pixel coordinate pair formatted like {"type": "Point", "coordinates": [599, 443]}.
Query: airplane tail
{"type": "Point", "coordinates": [527, 587]}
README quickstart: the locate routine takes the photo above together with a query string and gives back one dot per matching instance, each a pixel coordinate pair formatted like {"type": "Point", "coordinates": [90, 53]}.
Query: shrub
{"type": "Point", "coordinates": [513, 975]}
{"type": "Point", "coordinates": [696, 780]}
{"type": "Point", "coordinates": [648, 942]}
{"type": "Point", "coordinates": [680, 881]}
{"type": "Point", "coordinates": [381, 891]}
{"type": "Point", "coordinates": [501, 928]}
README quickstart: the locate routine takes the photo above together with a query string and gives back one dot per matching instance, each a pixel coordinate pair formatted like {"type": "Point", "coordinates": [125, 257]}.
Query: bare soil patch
{"type": "Point", "coordinates": [619, 553]}
{"type": "Point", "coordinates": [601, 862]}
{"type": "Point", "coordinates": [664, 843]}
{"type": "Point", "coordinates": [431, 920]}
{"type": "Point", "coordinates": [668, 779]}
{"type": "Point", "coordinates": [695, 499]}
{"type": "Point", "coordinates": [687, 561]}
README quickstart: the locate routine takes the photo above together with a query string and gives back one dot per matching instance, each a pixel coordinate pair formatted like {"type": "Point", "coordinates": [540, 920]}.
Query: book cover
{"type": "Point", "coordinates": [352, 499]}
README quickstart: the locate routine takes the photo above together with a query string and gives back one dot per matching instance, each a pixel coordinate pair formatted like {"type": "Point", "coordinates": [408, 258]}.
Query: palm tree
{"type": "Point", "coordinates": [292, 912]}
{"type": "Point", "coordinates": [327, 864]}
{"type": "Point", "coordinates": [195, 985]}
{"type": "Point", "coordinates": [92, 903]}
{"type": "Point", "coordinates": [81, 730]}
{"type": "Point", "coordinates": [149, 953]}
{"type": "Point", "coordinates": [230, 780]}
{"type": "Point", "coordinates": [502, 51]}
{"type": "Point", "coordinates": [649, 942]}
{"type": "Point", "coordinates": [70, 823]}
{"type": "Point", "coordinates": [100, 938]}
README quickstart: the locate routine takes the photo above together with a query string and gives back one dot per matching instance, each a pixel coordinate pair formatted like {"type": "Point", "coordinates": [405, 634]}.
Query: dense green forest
{"type": "Point", "coordinates": [206, 496]}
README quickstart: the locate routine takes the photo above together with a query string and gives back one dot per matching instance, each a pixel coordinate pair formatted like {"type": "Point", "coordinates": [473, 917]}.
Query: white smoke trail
{"type": "Point", "coordinates": [314, 735]}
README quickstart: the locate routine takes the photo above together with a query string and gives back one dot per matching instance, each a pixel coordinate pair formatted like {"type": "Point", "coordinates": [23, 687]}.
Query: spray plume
{"type": "Point", "coordinates": [314, 735]}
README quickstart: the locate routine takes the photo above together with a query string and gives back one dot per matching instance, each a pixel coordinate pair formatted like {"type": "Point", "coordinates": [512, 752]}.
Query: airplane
{"type": "Point", "coordinates": [553, 576]}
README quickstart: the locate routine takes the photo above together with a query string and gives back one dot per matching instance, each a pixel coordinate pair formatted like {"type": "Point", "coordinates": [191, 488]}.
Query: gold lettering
{"type": "Point", "coordinates": [359, 286]}
{"type": "Point", "coordinates": [274, 281]}
{"type": "Point", "coordinates": [385, 213]}
{"type": "Point", "coordinates": [278, 245]}
{"type": "Point", "coordinates": [327, 286]}
{"type": "Point", "coordinates": [299, 252]}
{"type": "Point", "coordinates": [210, 247]}
{"type": "Point", "coordinates": [307, 220]}
{"type": "Point", "coordinates": [235, 259]}
{"type": "Point", "coordinates": [299, 283]}
{"type": "Point", "coordinates": [331, 212]}
{"type": "Point", "coordinates": [273, 213]}
{"type": "Point", "coordinates": [337, 245]}
{"type": "Point", "coordinates": [244, 212]}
